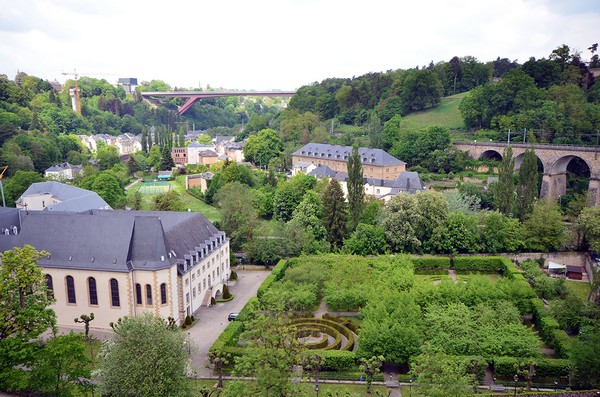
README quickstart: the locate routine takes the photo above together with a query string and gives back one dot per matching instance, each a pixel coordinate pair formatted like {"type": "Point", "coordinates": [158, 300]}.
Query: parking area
{"type": "Point", "coordinates": [213, 320]}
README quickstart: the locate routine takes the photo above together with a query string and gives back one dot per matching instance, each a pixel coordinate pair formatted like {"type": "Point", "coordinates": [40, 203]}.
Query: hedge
{"type": "Point", "coordinates": [550, 330]}
{"type": "Point", "coordinates": [511, 271]}
{"type": "Point", "coordinates": [469, 361]}
{"type": "Point", "coordinates": [249, 308]}
{"type": "Point", "coordinates": [229, 337]}
{"type": "Point", "coordinates": [276, 274]}
{"type": "Point", "coordinates": [337, 360]}
{"type": "Point", "coordinates": [544, 367]}
{"type": "Point", "coordinates": [483, 264]}
{"type": "Point", "coordinates": [330, 324]}
{"type": "Point", "coordinates": [431, 264]}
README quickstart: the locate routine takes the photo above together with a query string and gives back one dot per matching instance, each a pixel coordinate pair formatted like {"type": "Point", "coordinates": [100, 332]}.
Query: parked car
{"type": "Point", "coordinates": [232, 316]}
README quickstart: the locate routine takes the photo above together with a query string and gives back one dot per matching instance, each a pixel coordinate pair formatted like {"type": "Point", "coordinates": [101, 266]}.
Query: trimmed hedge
{"type": "Point", "coordinates": [276, 274]}
{"type": "Point", "coordinates": [550, 330]}
{"type": "Point", "coordinates": [544, 367]}
{"type": "Point", "coordinates": [229, 337]}
{"type": "Point", "coordinates": [482, 264]}
{"type": "Point", "coordinates": [431, 264]}
{"type": "Point", "coordinates": [511, 271]}
{"type": "Point", "coordinates": [333, 325]}
{"type": "Point", "coordinates": [337, 360]}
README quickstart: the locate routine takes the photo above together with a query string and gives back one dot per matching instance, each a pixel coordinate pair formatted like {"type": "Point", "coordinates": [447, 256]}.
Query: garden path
{"type": "Point", "coordinates": [322, 309]}
{"type": "Point", "coordinates": [452, 274]}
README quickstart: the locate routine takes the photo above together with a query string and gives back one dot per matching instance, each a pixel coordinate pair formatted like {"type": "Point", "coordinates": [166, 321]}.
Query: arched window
{"type": "Point", "coordinates": [114, 292]}
{"type": "Point", "coordinates": [49, 286]}
{"type": "Point", "coordinates": [138, 294]}
{"type": "Point", "coordinates": [163, 293]}
{"type": "Point", "coordinates": [70, 290]}
{"type": "Point", "coordinates": [148, 294]}
{"type": "Point", "coordinates": [93, 291]}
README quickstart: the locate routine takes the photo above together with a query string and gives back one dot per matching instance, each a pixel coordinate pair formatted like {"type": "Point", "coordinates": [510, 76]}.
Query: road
{"type": "Point", "coordinates": [213, 320]}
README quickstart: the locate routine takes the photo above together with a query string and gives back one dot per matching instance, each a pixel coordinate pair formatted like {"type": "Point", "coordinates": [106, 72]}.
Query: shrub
{"type": "Point", "coordinates": [276, 274]}
{"type": "Point", "coordinates": [484, 264]}
{"type": "Point", "coordinates": [337, 360]}
{"type": "Point", "coordinates": [226, 293]}
{"type": "Point", "coordinates": [229, 337]}
{"type": "Point", "coordinates": [213, 301]}
{"type": "Point", "coordinates": [544, 367]}
{"type": "Point", "coordinates": [188, 320]}
{"type": "Point", "coordinates": [431, 265]}
{"type": "Point", "coordinates": [233, 276]}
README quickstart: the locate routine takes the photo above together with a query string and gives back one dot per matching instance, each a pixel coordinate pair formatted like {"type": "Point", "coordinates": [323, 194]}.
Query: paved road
{"type": "Point", "coordinates": [213, 320]}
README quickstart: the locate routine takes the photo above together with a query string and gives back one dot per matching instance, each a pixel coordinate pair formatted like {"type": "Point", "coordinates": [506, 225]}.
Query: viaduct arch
{"type": "Point", "coordinates": [554, 159]}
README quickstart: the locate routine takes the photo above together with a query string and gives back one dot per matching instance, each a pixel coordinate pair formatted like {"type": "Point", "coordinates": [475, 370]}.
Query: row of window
{"type": "Point", "coordinates": [114, 291]}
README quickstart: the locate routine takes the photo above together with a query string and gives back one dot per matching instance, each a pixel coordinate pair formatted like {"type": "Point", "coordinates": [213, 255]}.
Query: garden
{"type": "Point", "coordinates": [485, 320]}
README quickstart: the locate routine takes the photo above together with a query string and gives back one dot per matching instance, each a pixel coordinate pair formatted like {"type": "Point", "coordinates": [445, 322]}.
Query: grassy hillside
{"type": "Point", "coordinates": [446, 114]}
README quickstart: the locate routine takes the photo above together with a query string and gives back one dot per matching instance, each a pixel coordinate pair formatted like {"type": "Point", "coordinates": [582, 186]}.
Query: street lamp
{"type": "Point", "coordinates": [317, 389]}
{"type": "Point", "coordinates": [410, 387]}
{"type": "Point", "coordinates": [516, 378]}
{"type": "Point", "coordinates": [555, 385]}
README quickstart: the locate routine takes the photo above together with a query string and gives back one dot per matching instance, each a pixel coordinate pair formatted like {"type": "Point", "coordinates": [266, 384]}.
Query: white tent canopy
{"type": "Point", "coordinates": [556, 266]}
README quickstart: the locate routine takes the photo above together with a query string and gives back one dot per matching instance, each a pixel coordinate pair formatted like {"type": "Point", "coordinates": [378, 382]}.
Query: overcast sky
{"type": "Point", "coordinates": [278, 44]}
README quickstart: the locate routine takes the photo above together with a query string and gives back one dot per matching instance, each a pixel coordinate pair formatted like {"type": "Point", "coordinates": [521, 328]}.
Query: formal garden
{"type": "Point", "coordinates": [484, 320]}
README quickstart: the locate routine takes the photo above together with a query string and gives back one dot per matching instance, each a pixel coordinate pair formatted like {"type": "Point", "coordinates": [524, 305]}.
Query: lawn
{"type": "Point", "coordinates": [492, 278]}
{"type": "Point", "coordinates": [445, 114]}
{"type": "Point", "coordinates": [210, 212]}
{"type": "Point", "coordinates": [579, 288]}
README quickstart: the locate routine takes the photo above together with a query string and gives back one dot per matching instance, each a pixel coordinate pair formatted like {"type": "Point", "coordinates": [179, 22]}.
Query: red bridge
{"type": "Point", "coordinates": [194, 96]}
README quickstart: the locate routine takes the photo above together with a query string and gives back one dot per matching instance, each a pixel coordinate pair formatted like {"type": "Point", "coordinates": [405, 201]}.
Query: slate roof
{"type": "Point", "coordinates": [574, 269]}
{"type": "Point", "coordinates": [112, 240]}
{"type": "Point", "coordinates": [221, 138]}
{"type": "Point", "coordinates": [64, 166]}
{"type": "Point", "coordinates": [369, 156]}
{"type": "Point", "coordinates": [407, 181]}
{"type": "Point", "coordinates": [323, 171]}
{"type": "Point", "coordinates": [71, 198]}
{"type": "Point", "coordinates": [200, 145]}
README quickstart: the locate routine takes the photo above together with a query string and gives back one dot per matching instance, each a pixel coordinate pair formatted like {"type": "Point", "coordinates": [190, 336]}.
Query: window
{"type": "Point", "coordinates": [114, 292]}
{"type": "Point", "coordinates": [138, 294]}
{"type": "Point", "coordinates": [163, 294]}
{"type": "Point", "coordinates": [93, 291]}
{"type": "Point", "coordinates": [148, 294]}
{"type": "Point", "coordinates": [217, 271]}
{"type": "Point", "coordinates": [49, 286]}
{"type": "Point", "coordinates": [199, 287]}
{"type": "Point", "coordinates": [193, 276]}
{"type": "Point", "coordinates": [194, 293]}
{"type": "Point", "coordinates": [71, 290]}
{"type": "Point", "coordinates": [204, 283]}
{"type": "Point", "coordinates": [187, 297]}
{"type": "Point", "coordinates": [187, 281]}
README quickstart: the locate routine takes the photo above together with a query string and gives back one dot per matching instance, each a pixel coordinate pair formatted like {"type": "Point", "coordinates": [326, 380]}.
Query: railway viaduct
{"type": "Point", "coordinates": [554, 159]}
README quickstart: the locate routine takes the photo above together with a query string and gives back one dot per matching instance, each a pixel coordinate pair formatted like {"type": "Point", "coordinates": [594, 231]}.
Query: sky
{"type": "Point", "coordinates": [278, 44]}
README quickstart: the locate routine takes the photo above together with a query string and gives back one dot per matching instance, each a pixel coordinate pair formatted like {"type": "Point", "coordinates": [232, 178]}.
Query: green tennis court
{"type": "Point", "coordinates": [155, 187]}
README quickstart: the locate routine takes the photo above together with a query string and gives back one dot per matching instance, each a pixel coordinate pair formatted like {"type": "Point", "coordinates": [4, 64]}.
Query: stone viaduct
{"type": "Point", "coordinates": [554, 159]}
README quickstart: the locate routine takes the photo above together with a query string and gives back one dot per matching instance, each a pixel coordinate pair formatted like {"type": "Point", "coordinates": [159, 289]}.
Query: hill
{"type": "Point", "coordinates": [445, 114]}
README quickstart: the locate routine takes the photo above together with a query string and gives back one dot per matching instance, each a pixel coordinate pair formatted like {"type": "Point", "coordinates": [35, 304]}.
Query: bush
{"type": "Point", "coordinates": [233, 276]}
{"type": "Point", "coordinates": [483, 264]}
{"type": "Point", "coordinates": [226, 293]}
{"type": "Point", "coordinates": [337, 360]}
{"type": "Point", "coordinates": [213, 301]}
{"type": "Point", "coordinates": [188, 321]}
{"type": "Point", "coordinates": [276, 274]}
{"type": "Point", "coordinates": [431, 265]}
{"type": "Point", "coordinates": [229, 337]}
{"type": "Point", "coordinates": [544, 367]}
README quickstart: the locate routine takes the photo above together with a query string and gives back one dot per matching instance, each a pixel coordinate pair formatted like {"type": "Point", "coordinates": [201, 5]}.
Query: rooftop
{"type": "Point", "coordinates": [71, 198]}
{"type": "Point", "coordinates": [341, 153]}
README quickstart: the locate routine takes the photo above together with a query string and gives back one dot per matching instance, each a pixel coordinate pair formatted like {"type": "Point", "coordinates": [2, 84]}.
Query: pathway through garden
{"type": "Point", "coordinates": [322, 309]}
{"type": "Point", "coordinates": [452, 274]}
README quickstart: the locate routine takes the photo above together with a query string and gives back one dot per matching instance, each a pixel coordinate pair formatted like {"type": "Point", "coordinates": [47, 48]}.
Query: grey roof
{"type": "Point", "coordinates": [71, 198]}
{"type": "Point", "coordinates": [407, 182]}
{"type": "Point", "coordinates": [221, 138]}
{"type": "Point", "coordinates": [341, 153]}
{"type": "Point", "coordinates": [208, 153]}
{"type": "Point", "coordinates": [204, 175]}
{"type": "Point", "coordinates": [128, 80]}
{"type": "Point", "coordinates": [9, 217]}
{"type": "Point", "coordinates": [112, 240]}
{"type": "Point", "coordinates": [64, 166]}
{"type": "Point", "coordinates": [200, 145]}
{"type": "Point", "coordinates": [323, 171]}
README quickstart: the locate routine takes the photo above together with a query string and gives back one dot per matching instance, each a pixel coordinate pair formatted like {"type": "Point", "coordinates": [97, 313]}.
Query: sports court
{"type": "Point", "coordinates": [154, 187]}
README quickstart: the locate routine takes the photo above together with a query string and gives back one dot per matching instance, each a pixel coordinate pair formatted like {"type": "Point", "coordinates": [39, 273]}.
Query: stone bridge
{"type": "Point", "coordinates": [554, 160]}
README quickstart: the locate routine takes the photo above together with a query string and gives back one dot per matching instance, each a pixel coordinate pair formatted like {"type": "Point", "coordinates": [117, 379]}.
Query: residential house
{"type": "Point", "coordinates": [56, 196]}
{"type": "Point", "coordinates": [123, 263]}
{"type": "Point", "coordinates": [63, 171]}
{"type": "Point", "coordinates": [128, 84]}
{"type": "Point", "coordinates": [198, 180]}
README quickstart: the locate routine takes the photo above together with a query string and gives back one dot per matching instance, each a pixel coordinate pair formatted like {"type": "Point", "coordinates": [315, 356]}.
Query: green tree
{"type": "Point", "coordinates": [263, 147]}
{"type": "Point", "coordinates": [61, 366]}
{"type": "Point", "coordinates": [124, 367]}
{"type": "Point", "coordinates": [309, 214]}
{"type": "Point", "coordinates": [439, 375]}
{"type": "Point", "coordinates": [24, 311]}
{"type": "Point", "coordinates": [527, 188]}
{"type": "Point", "coordinates": [544, 227]}
{"type": "Point", "coordinates": [109, 188]}
{"type": "Point", "coordinates": [170, 201]}
{"type": "Point", "coordinates": [107, 157]}
{"type": "Point", "coordinates": [504, 193]}
{"type": "Point", "coordinates": [166, 160]}
{"type": "Point", "coordinates": [501, 233]}
{"type": "Point", "coordinates": [239, 217]}
{"type": "Point", "coordinates": [366, 240]}
{"type": "Point", "coordinates": [585, 355]}
{"type": "Point", "coordinates": [86, 320]}
{"type": "Point", "coordinates": [459, 235]}
{"type": "Point", "coordinates": [15, 186]}
{"type": "Point", "coordinates": [371, 368]}
{"type": "Point", "coordinates": [589, 222]}
{"type": "Point", "coordinates": [356, 189]}
{"type": "Point", "coordinates": [335, 213]}
{"type": "Point", "coordinates": [401, 216]}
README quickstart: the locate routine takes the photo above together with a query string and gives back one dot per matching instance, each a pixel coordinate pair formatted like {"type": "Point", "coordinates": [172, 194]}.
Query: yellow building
{"type": "Point", "coordinates": [123, 263]}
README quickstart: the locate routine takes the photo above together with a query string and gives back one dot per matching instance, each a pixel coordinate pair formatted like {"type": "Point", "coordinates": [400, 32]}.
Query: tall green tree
{"type": "Point", "coordinates": [401, 217]}
{"type": "Point", "coordinates": [239, 217]}
{"type": "Point", "coordinates": [589, 223]}
{"type": "Point", "coordinates": [25, 311]}
{"type": "Point", "coordinates": [166, 160]}
{"type": "Point", "coordinates": [109, 188]}
{"type": "Point", "coordinates": [263, 147]}
{"type": "Point", "coordinates": [356, 189]}
{"type": "Point", "coordinates": [158, 369]}
{"type": "Point", "coordinates": [544, 227]}
{"type": "Point", "coordinates": [527, 188]}
{"type": "Point", "coordinates": [504, 190]}
{"type": "Point", "coordinates": [335, 213]}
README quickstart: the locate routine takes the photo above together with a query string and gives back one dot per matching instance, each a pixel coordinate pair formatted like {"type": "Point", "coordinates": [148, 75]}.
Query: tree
{"type": "Point", "coordinates": [24, 311]}
{"type": "Point", "coordinates": [170, 201]}
{"type": "Point", "coordinates": [527, 188]}
{"type": "Point", "coordinates": [109, 188]}
{"type": "Point", "coordinates": [239, 217]}
{"type": "Point", "coordinates": [500, 233]}
{"type": "Point", "coordinates": [85, 319]}
{"type": "Point", "coordinates": [107, 157]}
{"type": "Point", "coordinates": [158, 369]}
{"type": "Point", "coordinates": [263, 147]}
{"type": "Point", "coordinates": [274, 352]}
{"type": "Point", "coordinates": [335, 213]}
{"type": "Point", "coordinates": [371, 367]}
{"type": "Point", "coordinates": [401, 216]}
{"type": "Point", "coordinates": [309, 214]}
{"type": "Point", "coordinates": [459, 235]}
{"type": "Point", "coordinates": [15, 186]}
{"type": "Point", "coordinates": [356, 189]}
{"type": "Point", "coordinates": [366, 240]}
{"type": "Point", "coordinates": [585, 355]}
{"type": "Point", "coordinates": [166, 160]}
{"type": "Point", "coordinates": [61, 364]}
{"type": "Point", "coordinates": [439, 375]}
{"type": "Point", "coordinates": [505, 188]}
{"type": "Point", "coordinates": [219, 359]}
{"type": "Point", "coordinates": [589, 222]}
{"type": "Point", "coordinates": [544, 228]}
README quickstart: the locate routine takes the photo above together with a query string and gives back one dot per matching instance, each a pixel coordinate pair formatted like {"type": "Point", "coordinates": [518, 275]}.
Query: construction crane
{"type": "Point", "coordinates": [74, 92]}
{"type": "Point", "coordinates": [2, 170]}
